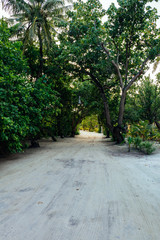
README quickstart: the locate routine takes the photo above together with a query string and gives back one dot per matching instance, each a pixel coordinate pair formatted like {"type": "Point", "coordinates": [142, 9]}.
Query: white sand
{"type": "Point", "coordinates": [80, 189]}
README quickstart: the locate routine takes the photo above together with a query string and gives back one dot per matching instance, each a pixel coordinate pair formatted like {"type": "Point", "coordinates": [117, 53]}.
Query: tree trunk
{"type": "Point", "coordinates": [59, 127]}
{"type": "Point", "coordinates": [54, 139]}
{"type": "Point", "coordinates": [115, 131]}
{"type": "Point", "coordinates": [105, 102]}
{"type": "Point", "coordinates": [107, 113]}
{"type": "Point", "coordinates": [117, 134]}
{"type": "Point", "coordinates": [73, 132]}
{"type": "Point", "coordinates": [107, 136]}
{"type": "Point", "coordinates": [118, 130]}
{"type": "Point", "coordinates": [34, 144]}
{"type": "Point", "coordinates": [40, 52]}
{"type": "Point", "coordinates": [75, 123]}
{"type": "Point", "coordinates": [158, 125]}
{"type": "Point", "coordinates": [106, 108]}
{"type": "Point", "coordinates": [121, 108]}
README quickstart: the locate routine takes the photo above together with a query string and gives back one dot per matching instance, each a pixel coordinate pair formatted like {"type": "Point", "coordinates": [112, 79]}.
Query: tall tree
{"type": "Point", "coordinates": [36, 20]}
{"type": "Point", "coordinates": [114, 54]}
{"type": "Point", "coordinates": [131, 43]}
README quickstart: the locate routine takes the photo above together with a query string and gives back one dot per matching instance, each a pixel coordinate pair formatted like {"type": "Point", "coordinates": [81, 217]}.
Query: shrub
{"type": "Point", "coordinates": [137, 141]}
{"type": "Point", "coordinates": [142, 129]}
{"type": "Point", "coordinates": [143, 146]}
{"type": "Point", "coordinates": [26, 108]}
{"type": "Point", "coordinates": [146, 147]}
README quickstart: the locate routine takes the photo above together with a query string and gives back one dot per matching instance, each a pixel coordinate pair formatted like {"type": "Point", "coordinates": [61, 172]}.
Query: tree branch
{"type": "Point", "coordinates": [137, 75]}
{"type": "Point", "coordinates": [115, 65]}
{"type": "Point", "coordinates": [127, 62]}
{"type": "Point", "coordinates": [105, 102]}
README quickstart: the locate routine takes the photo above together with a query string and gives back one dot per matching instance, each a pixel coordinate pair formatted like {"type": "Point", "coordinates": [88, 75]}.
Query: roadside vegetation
{"type": "Point", "coordinates": [91, 124]}
{"type": "Point", "coordinates": [62, 67]}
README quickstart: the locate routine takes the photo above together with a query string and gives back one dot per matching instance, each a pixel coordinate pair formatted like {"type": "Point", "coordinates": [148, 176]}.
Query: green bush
{"type": "Point", "coordinates": [90, 124]}
{"type": "Point", "coordinates": [26, 108]}
{"type": "Point", "coordinates": [137, 141]}
{"type": "Point", "coordinates": [143, 146]}
{"type": "Point", "coordinates": [142, 129]}
{"type": "Point", "coordinates": [146, 147]}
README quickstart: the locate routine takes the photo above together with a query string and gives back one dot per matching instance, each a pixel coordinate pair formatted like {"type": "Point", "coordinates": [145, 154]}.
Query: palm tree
{"type": "Point", "coordinates": [36, 20]}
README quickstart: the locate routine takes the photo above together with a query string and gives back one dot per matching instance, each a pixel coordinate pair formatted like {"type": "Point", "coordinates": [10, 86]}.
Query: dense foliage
{"type": "Point", "coordinates": [60, 69]}
{"type": "Point", "coordinates": [143, 102]}
{"type": "Point", "coordinates": [36, 20]}
{"type": "Point", "coordinates": [113, 55]}
{"type": "Point", "coordinates": [91, 124]}
{"type": "Point", "coordinates": [25, 107]}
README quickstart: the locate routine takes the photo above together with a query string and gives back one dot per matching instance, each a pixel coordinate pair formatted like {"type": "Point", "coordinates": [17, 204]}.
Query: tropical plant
{"type": "Point", "coordinates": [117, 50]}
{"type": "Point", "coordinates": [143, 146]}
{"type": "Point", "coordinates": [27, 109]}
{"type": "Point", "coordinates": [142, 129]}
{"type": "Point", "coordinates": [129, 140]}
{"type": "Point", "coordinates": [148, 100]}
{"type": "Point", "coordinates": [36, 19]}
{"type": "Point", "coordinates": [43, 108]}
{"type": "Point", "coordinates": [146, 147]}
{"type": "Point", "coordinates": [137, 141]}
{"type": "Point", "coordinates": [13, 92]}
{"type": "Point", "coordinates": [143, 103]}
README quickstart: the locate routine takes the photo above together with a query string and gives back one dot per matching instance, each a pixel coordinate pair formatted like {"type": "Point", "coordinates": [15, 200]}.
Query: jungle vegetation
{"type": "Point", "coordinates": [61, 63]}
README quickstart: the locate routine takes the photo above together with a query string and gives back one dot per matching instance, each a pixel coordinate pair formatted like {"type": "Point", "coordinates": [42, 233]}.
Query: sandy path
{"type": "Point", "coordinates": [80, 189]}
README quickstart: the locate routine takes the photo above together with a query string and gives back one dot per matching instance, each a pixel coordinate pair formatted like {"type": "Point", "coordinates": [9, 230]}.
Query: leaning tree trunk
{"type": "Point", "coordinates": [75, 123]}
{"type": "Point", "coordinates": [107, 113]}
{"type": "Point", "coordinates": [40, 52]}
{"type": "Point", "coordinates": [105, 102]}
{"type": "Point", "coordinates": [117, 131]}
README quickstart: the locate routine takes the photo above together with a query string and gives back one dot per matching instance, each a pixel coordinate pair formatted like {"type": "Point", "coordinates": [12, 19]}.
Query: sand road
{"type": "Point", "coordinates": [80, 189]}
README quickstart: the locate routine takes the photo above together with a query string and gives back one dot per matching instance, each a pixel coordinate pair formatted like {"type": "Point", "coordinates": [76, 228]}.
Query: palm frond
{"type": "Point", "coordinates": [155, 65]}
{"type": "Point", "coordinates": [32, 30]}
{"type": "Point", "coordinates": [33, 14]}
{"type": "Point", "coordinates": [32, 3]}
{"type": "Point", "coordinates": [47, 34]}
{"type": "Point", "coordinates": [14, 6]}
{"type": "Point", "coordinates": [52, 4]}
{"type": "Point", "coordinates": [26, 37]}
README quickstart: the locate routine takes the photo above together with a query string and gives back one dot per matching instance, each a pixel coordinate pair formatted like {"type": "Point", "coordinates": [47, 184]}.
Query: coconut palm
{"type": "Point", "coordinates": [36, 20]}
